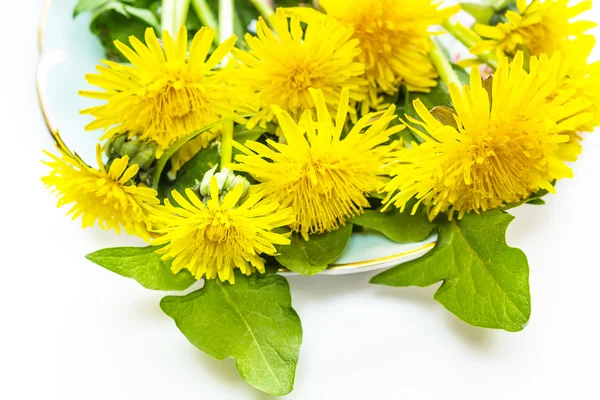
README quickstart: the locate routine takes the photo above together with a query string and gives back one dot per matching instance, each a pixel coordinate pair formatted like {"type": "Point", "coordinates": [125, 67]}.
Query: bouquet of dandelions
{"type": "Point", "coordinates": [235, 159]}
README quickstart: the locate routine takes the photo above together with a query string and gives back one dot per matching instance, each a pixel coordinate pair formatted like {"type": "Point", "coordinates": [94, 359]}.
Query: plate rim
{"type": "Point", "coordinates": [353, 267]}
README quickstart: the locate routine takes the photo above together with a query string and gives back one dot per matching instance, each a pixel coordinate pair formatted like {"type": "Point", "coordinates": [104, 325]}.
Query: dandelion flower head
{"type": "Point", "coordinates": [501, 150]}
{"type": "Point", "coordinates": [283, 64]}
{"type": "Point", "coordinates": [107, 196]}
{"type": "Point", "coordinates": [540, 27]}
{"type": "Point", "coordinates": [212, 238]}
{"type": "Point", "coordinates": [320, 174]}
{"type": "Point", "coordinates": [394, 38]}
{"type": "Point", "coordinates": [166, 93]}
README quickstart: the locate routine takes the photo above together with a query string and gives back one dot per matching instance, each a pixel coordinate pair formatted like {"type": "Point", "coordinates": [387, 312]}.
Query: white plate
{"type": "Point", "coordinates": [69, 50]}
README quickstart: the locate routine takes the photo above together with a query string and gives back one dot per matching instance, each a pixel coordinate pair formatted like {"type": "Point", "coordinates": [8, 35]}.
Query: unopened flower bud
{"type": "Point", "coordinates": [226, 182]}
{"type": "Point", "coordinates": [145, 156]}
{"type": "Point", "coordinates": [205, 184]}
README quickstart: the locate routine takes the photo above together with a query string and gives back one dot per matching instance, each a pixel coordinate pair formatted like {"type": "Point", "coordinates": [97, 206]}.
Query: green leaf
{"type": "Point", "coordinates": [486, 282]}
{"type": "Point", "coordinates": [191, 171]}
{"type": "Point", "coordinates": [537, 202]}
{"type": "Point", "coordinates": [144, 15]}
{"type": "Point", "coordinates": [309, 257]}
{"type": "Point", "coordinates": [118, 19]}
{"type": "Point", "coordinates": [88, 5]}
{"type": "Point", "coordinates": [482, 13]}
{"type": "Point", "coordinates": [162, 161]}
{"type": "Point", "coordinates": [245, 13]}
{"type": "Point", "coordinates": [463, 76]}
{"type": "Point", "coordinates": [397, 226]}
{"type": "Point", "coordinates": [116, 24]}
{"type": "Point", "coordinates": [535, 199]}
{"type": "Point", "coordinates": [143, 265]}
{"type": "Point", "coordinates": [252, 321]}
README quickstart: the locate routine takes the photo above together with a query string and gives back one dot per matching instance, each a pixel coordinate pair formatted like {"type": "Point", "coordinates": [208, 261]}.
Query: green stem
{"type": "Point", "coordinates": [465, 35]}
{"type": "Point", "coordinates": [174, 14]}
{"type": "Point", "coordinates": [264, 8]}
{"type": "Point", "coordinates": [443, 66]}
{"type": "Point", "coordinates": [226, 20]}
{"type": "Point", "coordinates": [205, 14]}
{"type": "Point", "coordinates": [167, 16]}
{"type": "Point", "coordinates": [227, 144]}
{"type": "Point", "coordinates": [469, 38]}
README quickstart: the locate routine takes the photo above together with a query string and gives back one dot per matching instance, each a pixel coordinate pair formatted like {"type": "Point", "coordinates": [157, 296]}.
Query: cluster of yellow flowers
{"type": "Point", "coordinates": [323, 77]}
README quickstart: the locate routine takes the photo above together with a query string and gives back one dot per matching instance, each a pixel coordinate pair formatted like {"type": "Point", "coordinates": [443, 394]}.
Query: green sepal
{"type": "Point", "coordinates": [486, 282]}
{"type": "Point", "coordinates": [144, 265]}
{"type": "Point", "coordinates": [251, 321]}
{"type": "Point", "coordinates": [309, 257]}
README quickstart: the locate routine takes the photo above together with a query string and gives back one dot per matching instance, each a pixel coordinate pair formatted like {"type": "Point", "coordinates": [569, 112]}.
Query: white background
{"type": "Point", "coordinates": [70, 330]}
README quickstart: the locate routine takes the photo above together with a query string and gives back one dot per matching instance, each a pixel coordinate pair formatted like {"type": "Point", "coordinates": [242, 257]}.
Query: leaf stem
{"type": "Point", "coordinates": [465, 35]}
{"type": "Point", "coordinates": [226, 21]}
{"type": "Point", "coordinates": [469, 38]}
{"type": "Point", "coordinates": [499, 4]}
{"type": "Point", "coordinates": [226, 18]}
{"type": "Point", "coordinates": [205, 14]}
{"type": "Point", "coordinates": [174, 15]}
{"type": "Point", "coordinates": [227, 144]}
{"type": "Point", "coordinates": [443, 66]}
{"type": "Point", "coordinates": [265, 8]}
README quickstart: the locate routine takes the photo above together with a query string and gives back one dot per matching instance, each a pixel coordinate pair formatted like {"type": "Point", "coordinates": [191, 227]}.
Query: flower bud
{"type": "Point", "coordinates": [205, 184]}
{"type": "Point", "coordinates": [226, 181]}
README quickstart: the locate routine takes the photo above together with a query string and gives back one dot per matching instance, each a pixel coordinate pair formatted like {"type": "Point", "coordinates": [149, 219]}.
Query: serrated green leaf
{"type": "Point", "coordinates": [252, 321]}
{"type": "Point", "coordinates": [486, 282]}
{"type": "Point", "coordinates": [143, 265]}
{"type": "Point", "coordinates": [397, 226]}
{"type": "Point", "coordinates": [309, 257]}
{"type": "Point", "coordinates": [190, 172]}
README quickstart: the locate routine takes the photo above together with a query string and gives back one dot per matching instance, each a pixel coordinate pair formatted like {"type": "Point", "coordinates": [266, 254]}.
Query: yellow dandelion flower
{"type": "Point", "coordinates": [394, 38]}
{"type": "Point", "coordinates": [166, 93]}
{"type": "Point", "coordinates": [282, 65]}
{"type": "Point", "coordinates": [541, 27]}
{"type": "Point", "coordinates": [106, 196]}
{"type": "Point", "coordinates": [323, 177]}
{"type": "Point", "coordinates": [575, 77]}
{"type": "Point", "coordinates": [498, 153]}
{"type": "Point", "coordinates": [212, 239]}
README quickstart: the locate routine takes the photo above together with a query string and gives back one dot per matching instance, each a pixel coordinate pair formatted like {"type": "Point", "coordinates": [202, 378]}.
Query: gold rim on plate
{"type": "Point", "coordinates": [51, 129]}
